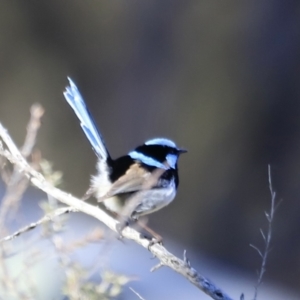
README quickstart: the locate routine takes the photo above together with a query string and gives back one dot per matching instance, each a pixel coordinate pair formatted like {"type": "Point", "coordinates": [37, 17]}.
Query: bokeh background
{"type": "Point", "coordinates": [222, 79]}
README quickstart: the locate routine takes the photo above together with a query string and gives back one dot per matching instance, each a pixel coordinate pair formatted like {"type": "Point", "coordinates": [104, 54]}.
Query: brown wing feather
{"type": "Point", "coordinates": [133, 180]}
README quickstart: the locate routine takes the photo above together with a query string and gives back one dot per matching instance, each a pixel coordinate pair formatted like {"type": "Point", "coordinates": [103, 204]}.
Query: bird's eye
{"type": "Point", "coordinates": [171, 151]}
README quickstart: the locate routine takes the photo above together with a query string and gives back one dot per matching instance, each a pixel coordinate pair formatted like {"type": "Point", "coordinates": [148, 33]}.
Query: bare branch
{"type": "Point", "coordinates": [262, 234]}
{"type": "Point", "coordinates": [136, 293]}
{"type": "Point", "coordinates": [36, 112]}
{"type": "Point", "coordinates": [17, 184]}
{"type": "Point", "coordinates": [166, 258]}
{"type": "Point", "coordinates": [258, 251]}
{"type": "Point", "coordinates": [185, 259]}
{"type": "Point", "coordinates": [266, 237]}
{"type": "Point", "coordinates": [48, 217]}
{"type": "Point", "coordinates": [156, 267]}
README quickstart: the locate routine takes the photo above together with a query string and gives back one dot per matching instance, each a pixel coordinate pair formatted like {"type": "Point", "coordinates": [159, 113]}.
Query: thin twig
{"type": "Point", "coordinates": [16, 186]}
{"type": "Point", "coordinates": [17, 183]}
{"type": "Point", "coordinates": [156, 267]}
{"type": "Point", "coordinates": [36, 112]}
{"type": "Point", "coordinates": [166, 258]}
{"type": "Point", "coordinates": [266, 237]}
{"type": "Point", "coordinates": [136, 293]}
{"type": "Point", "coordinates": [48, 217]}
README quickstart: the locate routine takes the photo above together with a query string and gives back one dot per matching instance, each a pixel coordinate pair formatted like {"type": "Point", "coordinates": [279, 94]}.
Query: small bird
{"type": "Point", "coordinates": [149, 171]}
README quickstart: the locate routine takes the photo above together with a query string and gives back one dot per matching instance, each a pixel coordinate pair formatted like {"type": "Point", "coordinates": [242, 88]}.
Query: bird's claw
{"type": "Point", "coordinates": [119, 228]}
{"type": "Point", "coordinates": [155, 241]}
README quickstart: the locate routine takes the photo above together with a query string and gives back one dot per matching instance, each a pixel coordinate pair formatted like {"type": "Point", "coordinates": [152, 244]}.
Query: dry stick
{"type": "Point", "coordinates": [136, 293]}
{"type": "Point", "coordinates": [267, 238]}
{"type": "Point", "coordinates": [48, 217]}
{"type": "Point", "coordinates": [166, 258]}
{"type": "Point", "coordinates": [16, 186]}
{"type": "Point", "coordinates": [36, 112]}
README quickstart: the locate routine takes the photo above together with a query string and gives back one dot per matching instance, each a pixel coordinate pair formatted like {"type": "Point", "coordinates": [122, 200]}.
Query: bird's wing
{"type": "Point", "coordinates": [135, 179]}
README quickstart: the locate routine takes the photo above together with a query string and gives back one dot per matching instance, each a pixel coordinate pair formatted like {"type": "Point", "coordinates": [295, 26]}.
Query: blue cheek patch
{"type": "Point", "coordinates": [150, 161]}
{"type": "Point", "coordinates": [172, 160]}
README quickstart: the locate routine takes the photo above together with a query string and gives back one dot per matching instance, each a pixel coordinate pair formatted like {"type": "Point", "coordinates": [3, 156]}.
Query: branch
{"type": "Point", "coordinates": [266, 237]}
{"type": "Point", "coordinates": [166, 258]}
{"type": "Point", "coordinates": [36, 112]}
{"type": "Point", "coordinates": [17, 184]}
{"type": "Point", "coordinates": [48, 217]}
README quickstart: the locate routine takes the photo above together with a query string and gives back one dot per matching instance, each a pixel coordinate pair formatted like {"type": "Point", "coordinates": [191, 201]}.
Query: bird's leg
{"type": "Point", "coordinates": [123, 222]}
{"type": "Point", "coordinates": [120, 226]}
{"type": "Point", "coordinates": [154, 237]}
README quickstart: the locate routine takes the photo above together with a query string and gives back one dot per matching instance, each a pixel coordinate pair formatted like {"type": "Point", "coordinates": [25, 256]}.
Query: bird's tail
{"type": "Point", "coordinates": [76, 101]}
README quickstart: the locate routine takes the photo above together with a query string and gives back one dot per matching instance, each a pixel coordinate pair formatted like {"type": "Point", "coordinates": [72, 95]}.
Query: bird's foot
{"type": "Point", "coordinates": [119, 228]}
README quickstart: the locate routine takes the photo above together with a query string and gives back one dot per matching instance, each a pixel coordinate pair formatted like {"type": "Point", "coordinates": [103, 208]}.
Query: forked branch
{"type": "Point", "coordinates": [181, 266]}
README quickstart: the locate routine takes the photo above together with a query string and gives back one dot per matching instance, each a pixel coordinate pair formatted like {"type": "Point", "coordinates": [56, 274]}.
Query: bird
{"type": "Point", "coordinates": [148, 174]}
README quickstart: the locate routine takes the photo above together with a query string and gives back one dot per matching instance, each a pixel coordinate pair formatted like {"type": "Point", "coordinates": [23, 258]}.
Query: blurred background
{"type": "Point", "coordinates": [222, 79]}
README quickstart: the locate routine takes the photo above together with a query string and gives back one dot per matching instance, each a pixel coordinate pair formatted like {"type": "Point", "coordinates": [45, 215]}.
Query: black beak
{"type": "Point", "coordinates": [180, 151]}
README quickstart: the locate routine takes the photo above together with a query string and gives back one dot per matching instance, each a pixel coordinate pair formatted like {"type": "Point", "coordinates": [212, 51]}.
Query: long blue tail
{"type": "Point", "coordinates": [75, 100]}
